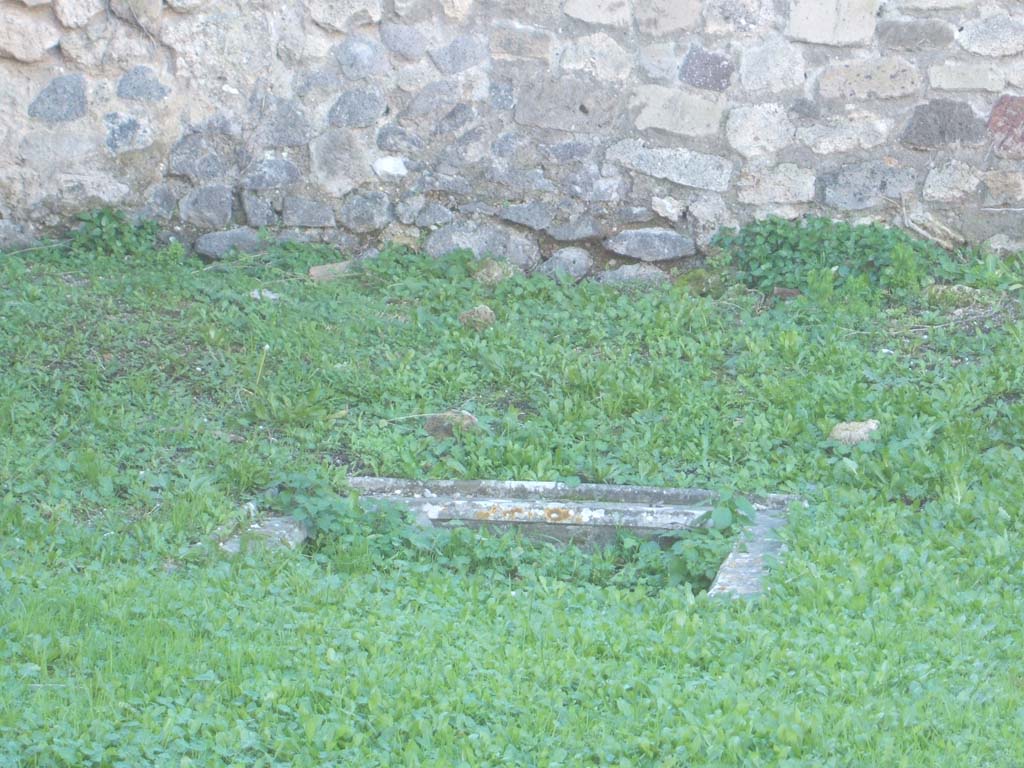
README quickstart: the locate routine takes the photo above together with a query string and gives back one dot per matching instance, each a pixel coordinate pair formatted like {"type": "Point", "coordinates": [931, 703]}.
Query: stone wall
{"type": "Point", "coordinates": [633, 129]}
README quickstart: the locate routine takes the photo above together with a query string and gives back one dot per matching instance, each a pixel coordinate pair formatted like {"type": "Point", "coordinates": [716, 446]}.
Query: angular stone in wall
{"type": "Point", "coordinates": [997, 35]}
{"type": "Point", "coordinates": [773, 65]}
{"type": "Point", "coordinates": [338, 162]}
{"type": "Point", "coordinates": [612, 13]}
{"type": "Point", "coordinates": [77, 13]}
{"type": "Point", "coordinates": [463, 52]}
{"type": "Point", "coordinates": [566, 103]}
{"type": "Point", "coordinates": [1006, 126]}
{"type": "Point", "coordinates": [598, 55]}
{"type": "Point", "coordinates": [403, 40]}
{"type": "Point", "coordinates": [952, 181]}
{"type": "Point", "coordinates": [282, 123]}
{"type": "Point", "coordinates": [785, 183]}
{"type": "Point", "coordinates": [217, 245]}
{"type": "Point", "coordinates": [303, 212]}
{"type": "Point", "coordinates": [1003, 189]}
{"type": "Point", "coordinates": [886, 78]}
{"type": "Point", "coordinates": [361, 57]}
{"type": "Point", "coordinates": [141, 84]}
{"type": "Point", "coordinates": [681, 166]}
{"type": "Point", "coordinates": [707, 70]}
{"type": "Point", "coordinates": [536, 215]}
{"type": "Point", "coordinates": [651, 244]}
{"type": "Point", "coordinates": [270, 173]}
{"type": "Point", "coordinates": [915, 34]}
{"type": "Point", "coordinates": [62, 100]}
{"type": "Point", "coordinates": [456, 9]}
{"type": "Point", "coordinates": [678, 111]}
{"type": "Point", "coordinates": [357, 108]}
{"type": "Point", "coordinates": [340, 15]}
{"type": "Point", "coordinates": [966, 76]}
{"type": "Point", "coordinates": [366, 212]}
{"type": "Point", "coordinates": [759, 129]}
{"type": "Point", "coordinates": [941, 123]}
{"type": "Point", "coordinates": [485, 239]}
{"type": "Point", "coordinates": [126, 133]}
{"type": "Point", "coordinates": [141, 13]}
{"type": "Point", "coordinates": [26, 35]}
{"type": "Point", "coordinates": [844, 133]}
{"type": "Point", "coordinates": [665, 17]}
{"type": "Point", "coordinates": [832, 22]}
{"type": "Point", "coordinates": [207, 207]}
{"type": "Point", "coordinates": [202, 156]}
{"type": "Point", "coordinates": [869, 184]}
{"type": "Point", "coordinates": [510, 42]}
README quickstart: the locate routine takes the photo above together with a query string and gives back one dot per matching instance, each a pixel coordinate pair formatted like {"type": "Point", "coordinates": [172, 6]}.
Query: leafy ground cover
{"type": "Point", "coordinates": [145, 397]}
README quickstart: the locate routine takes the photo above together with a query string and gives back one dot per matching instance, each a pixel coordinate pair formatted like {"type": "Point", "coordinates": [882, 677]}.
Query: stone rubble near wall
{"type": "Point", "coordinates": [560, 135]}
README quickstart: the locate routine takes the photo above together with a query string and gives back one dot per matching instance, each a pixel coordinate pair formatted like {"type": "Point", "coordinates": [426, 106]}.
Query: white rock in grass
{"type": "Point", "coordinates": [853, 432]}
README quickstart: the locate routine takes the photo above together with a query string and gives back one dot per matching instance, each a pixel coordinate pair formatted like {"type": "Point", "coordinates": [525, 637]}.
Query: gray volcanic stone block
{"type": "Point", "coordinates": [141, 84]}
{"type": "Point", "coordinates": [639, 274]}
{"type": "Point", "coordinates": [915, 34]}
{"type": "Point", "coordinates": [394, 138]}
{"type": "Point", "coordinates": [283, 124]}
{"type": "Point", "coordinates": [202, 156]}
{"type": "Point", "coordinates": [568, 104]}
{"type": "Point", "coordinates": [258, 211]}
{"type": "Point", "coordinates": [217, 245]}
{"type": "Point", "coordinates": [62, 100]}
{"type": "Point", "coordinates": [866, 185]}
{"type": "Point", "coordinates": [207, 207]}
{"type": "Point", "coordinates": [303, 212]}
{"type": "Point", "coordinates": [485, 239]}
{"type": "Point", "coordinates": [682, 166]}
{"type": "Point", "coordinates": [125, 133]}
{"type": "Point", "coordinates": [571, 263]}
{"type": "Point", "coordinates": [942, 122]}
{"type": "Point", "coordinates": [536, 215]}
{"type": "Point", "coordinates": [432, 215]}
{"type": "Point", "coordinates": [706, 69]}
{"type": "Point", "coordinates": [463, 52]}
{"type": "Point", "coordinates": [651, 244]}
{"type": "Point", "coordinates": [366, 212]}
{"type": "Point", "coordinates": [270, 173]}
{"type": "Point", "coordinates": [361, 57]}
{"type": "Point", "coordinates": [403, 40]}
{"type": "Point", "coordinates": [358, 108]}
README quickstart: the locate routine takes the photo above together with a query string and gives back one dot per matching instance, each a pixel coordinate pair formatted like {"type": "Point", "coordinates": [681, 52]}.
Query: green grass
{"type": "Point", "coordinates": [140, 409]}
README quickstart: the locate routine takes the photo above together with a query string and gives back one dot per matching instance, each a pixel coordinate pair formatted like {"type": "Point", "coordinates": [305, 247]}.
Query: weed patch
{"type": "Point", "coordinates": [146, 397]}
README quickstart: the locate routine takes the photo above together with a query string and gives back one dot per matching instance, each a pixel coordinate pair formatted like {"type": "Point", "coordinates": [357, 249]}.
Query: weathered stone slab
{"type": "Point", "coordinates": [915, 34]}
{"type": "Point", "coordinates": [886, 78]}
{"type": "Point", "coordinates": [566, 103]}
{"type": "Point", "coordinates": [303, 212]}
{"type": "Point", "coordinates": [785, 183]}
{"type": "Point", "coordinates": [357, 108]}
{"type": "Point", "coordinates": [682, 166]}
{"type": "Point", "coordinates": [857, 130]}
{"type": "Point", "coordinates": [366, 212]}
{"type": "Point", "coordinates": [590, 515]}
{"type": "Point", "coordinates": [966, 76]}
{"type": "Point", "coordinates": [518, 42]}
{"type": "Point", "coordinates": [273, 532]}
{"type": "Point", "coordinates": [633, 274]}
{"type": "Point", "coordinates": [270, 173]}
{"type": "Point", "coordinates": [832, 22]}
{"type": "Point", "coordinates": [338, 161]}
{"type": "Point", "coordinates": [1003, 189]}
{"type": "Point", "coordinates": [999, 34]}
{"type": "Point", "coordinates": [772, 65]}
{"type": "Point", "coordinates": [651, 244]}
{"type": "Point", "coordinates": [612, 13]}
{"type": "Point", "coordinates": [860, 186]}
{"type": "Point", "coordinates": [951, 181]}
{"type": "Point", "coordinates": [207, 207]}
{"type": "Point", "coordinates": [26, 35]}
{"type": "Point", "coordinates": [676, 111]}
{"type": "Point", "coordinates": [666, 17]}
{"type": "Point", "coordinates": [141, 84]}
{"type": "Point", "coordinates": [463, 52]}
{"type": "Point", "coordinates": [598, 55]}
{"type": "Point", "coordinates": [485, 239]}
{"type": "Point", "coordinates": [760, 129]}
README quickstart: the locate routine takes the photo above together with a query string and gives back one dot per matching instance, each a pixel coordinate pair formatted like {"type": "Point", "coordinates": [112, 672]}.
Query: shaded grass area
{"type": "Point", "coordinates": [140, 409]}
